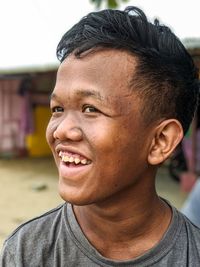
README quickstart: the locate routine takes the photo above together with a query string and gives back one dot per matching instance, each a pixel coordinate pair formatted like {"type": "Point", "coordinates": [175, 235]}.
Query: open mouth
{"type": "Point", "coordinates": [73, 160]}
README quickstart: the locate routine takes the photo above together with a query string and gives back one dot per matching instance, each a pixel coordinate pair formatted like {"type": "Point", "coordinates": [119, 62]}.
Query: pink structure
{"type": "Point", "coordinates": [16, 103]}
{"type": "Point", "coordinates": [11, 137]}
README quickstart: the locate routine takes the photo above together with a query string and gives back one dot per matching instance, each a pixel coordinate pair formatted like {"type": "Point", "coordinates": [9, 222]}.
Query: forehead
{"type": "Point", "coordinates": [106, 74]}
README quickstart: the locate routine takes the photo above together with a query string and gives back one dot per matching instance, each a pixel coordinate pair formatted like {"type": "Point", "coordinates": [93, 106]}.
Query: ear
{"type": "Point", "coordinates": [167, 136]}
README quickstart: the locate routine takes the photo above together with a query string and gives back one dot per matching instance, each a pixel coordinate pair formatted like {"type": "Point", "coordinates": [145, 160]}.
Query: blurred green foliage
{"type": "Point", "coordinates": [109, 3]}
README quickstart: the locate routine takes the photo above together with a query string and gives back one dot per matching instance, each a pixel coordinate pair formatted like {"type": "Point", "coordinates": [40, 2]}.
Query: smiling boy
{"type": "Point", "coordinates": [125, 94]}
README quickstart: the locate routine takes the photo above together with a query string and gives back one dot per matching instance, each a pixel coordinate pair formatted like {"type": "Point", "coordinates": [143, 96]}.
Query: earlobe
{"type": "Point", "coordinates": [168, 135]}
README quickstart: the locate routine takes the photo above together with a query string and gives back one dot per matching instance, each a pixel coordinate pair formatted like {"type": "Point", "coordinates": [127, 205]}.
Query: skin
{"type": "Point", "coordinates": [96, 113]}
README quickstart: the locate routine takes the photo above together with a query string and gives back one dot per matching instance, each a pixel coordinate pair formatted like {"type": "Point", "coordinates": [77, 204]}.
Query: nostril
{"type": "Point", "coordinates": [55, 135]}
{"type": "Point", "coordinates": [68, 133]}
{"type": "Point", "coordinates": [75, 134]}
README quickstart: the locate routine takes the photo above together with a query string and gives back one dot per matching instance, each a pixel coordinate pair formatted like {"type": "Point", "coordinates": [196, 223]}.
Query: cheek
{"type": "Point", "coordinates": [108, 139]}
{"type": "Point", "coordinates": [49, 133]}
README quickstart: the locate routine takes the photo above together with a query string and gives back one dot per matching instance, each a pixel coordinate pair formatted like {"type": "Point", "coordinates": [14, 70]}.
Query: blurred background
{"type": "Point", "coordinates": [30, 32]}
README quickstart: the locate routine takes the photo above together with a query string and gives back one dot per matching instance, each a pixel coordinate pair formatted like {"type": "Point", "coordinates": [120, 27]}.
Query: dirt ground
{"type": "Point", "coordinates": [28, 187]}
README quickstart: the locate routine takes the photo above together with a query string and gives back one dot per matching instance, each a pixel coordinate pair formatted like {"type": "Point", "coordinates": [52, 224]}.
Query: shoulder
{"type": "Point", "coordinates": [192, 230]}
{"type": "Point", "coordinates": [36, 228]}
{"type": "Point", "coordinates": [34, 237]}
{"type": "Point", "coordinates": [188, 241]}
{"type": "Point", "coordinates": [183, 233]}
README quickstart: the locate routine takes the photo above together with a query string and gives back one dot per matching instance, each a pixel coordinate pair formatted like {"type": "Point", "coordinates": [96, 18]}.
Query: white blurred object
{"type": "Point", "coordinates": [191, 207]}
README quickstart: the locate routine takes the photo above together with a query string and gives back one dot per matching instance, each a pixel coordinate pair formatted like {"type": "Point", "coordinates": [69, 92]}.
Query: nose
{"type": "Point", "coordinates": [68, 129]}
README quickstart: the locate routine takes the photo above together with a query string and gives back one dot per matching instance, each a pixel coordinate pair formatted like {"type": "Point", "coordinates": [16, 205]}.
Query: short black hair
{"type": "Point", "coordinates": [165, 76]}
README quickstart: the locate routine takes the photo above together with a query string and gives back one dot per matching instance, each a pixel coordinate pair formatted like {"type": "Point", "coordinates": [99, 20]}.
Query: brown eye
{"type": "Point", "coordinates": [57, 109]}
{"type": "Point", "coordinates": [90, 109]}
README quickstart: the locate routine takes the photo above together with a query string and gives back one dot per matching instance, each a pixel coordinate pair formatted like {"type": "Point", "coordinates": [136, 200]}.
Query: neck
{"type": "Point", "coordinates": [125, 228]}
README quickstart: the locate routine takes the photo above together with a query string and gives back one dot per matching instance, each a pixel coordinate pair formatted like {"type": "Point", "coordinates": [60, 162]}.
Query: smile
{"type": "Point", "coordinates": [72, 165]}
{"type": "Point", "coordinates": [74, 159]}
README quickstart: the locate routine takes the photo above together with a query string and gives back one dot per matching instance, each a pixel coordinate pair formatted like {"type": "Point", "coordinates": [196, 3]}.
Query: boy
{"type": "Point", "coordinates": [125, 94]}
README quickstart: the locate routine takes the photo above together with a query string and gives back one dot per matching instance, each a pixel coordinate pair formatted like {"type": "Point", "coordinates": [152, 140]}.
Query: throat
{"type": "Point", "coordinates": [125, 239]}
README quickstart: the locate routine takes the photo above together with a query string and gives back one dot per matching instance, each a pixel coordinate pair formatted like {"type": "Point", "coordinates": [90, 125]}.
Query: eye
{"type": "Point", "coordinates": [89, 109]}
{"type": "Point", "coordinates": [57, 109]}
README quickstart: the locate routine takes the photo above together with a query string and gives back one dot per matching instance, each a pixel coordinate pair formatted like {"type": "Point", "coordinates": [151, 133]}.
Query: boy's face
{"type": "Point", "coordinates": [97, 124]}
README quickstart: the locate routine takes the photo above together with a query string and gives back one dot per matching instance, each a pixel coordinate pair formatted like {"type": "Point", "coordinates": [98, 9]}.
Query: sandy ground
{"type": "Point", "coordinates": [28, 187]}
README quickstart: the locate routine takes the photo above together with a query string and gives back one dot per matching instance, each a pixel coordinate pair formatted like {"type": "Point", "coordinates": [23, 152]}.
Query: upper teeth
{"type": "Point", "coordinates": [71, 158]}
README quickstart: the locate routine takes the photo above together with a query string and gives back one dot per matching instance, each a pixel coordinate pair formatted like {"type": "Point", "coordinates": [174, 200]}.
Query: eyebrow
{"type": "Point", "coordinates": [89, 93]}
{"type": "Point", "coordinates": [82, 93]}
{"type": "Point", "coordinates": [55, 97]}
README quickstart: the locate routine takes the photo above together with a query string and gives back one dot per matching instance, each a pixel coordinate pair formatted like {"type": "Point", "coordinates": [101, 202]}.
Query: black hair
{"type": "Point", "coordinates": [165, 76]}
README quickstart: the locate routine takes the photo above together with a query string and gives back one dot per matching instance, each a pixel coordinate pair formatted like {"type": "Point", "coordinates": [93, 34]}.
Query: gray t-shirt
{"type": "Point", "coordinates": [55, 239]}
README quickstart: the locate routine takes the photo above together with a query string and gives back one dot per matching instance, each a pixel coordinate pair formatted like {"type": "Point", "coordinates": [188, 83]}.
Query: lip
{"type": "Point", "coordinates": [73, 173]}
{"type": "Point", "coordinates": [70, 150]}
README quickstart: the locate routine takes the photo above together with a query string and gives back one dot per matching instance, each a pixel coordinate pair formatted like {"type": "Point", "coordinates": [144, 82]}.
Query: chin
{"type": "Point", "coordinates": [75, 198]}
